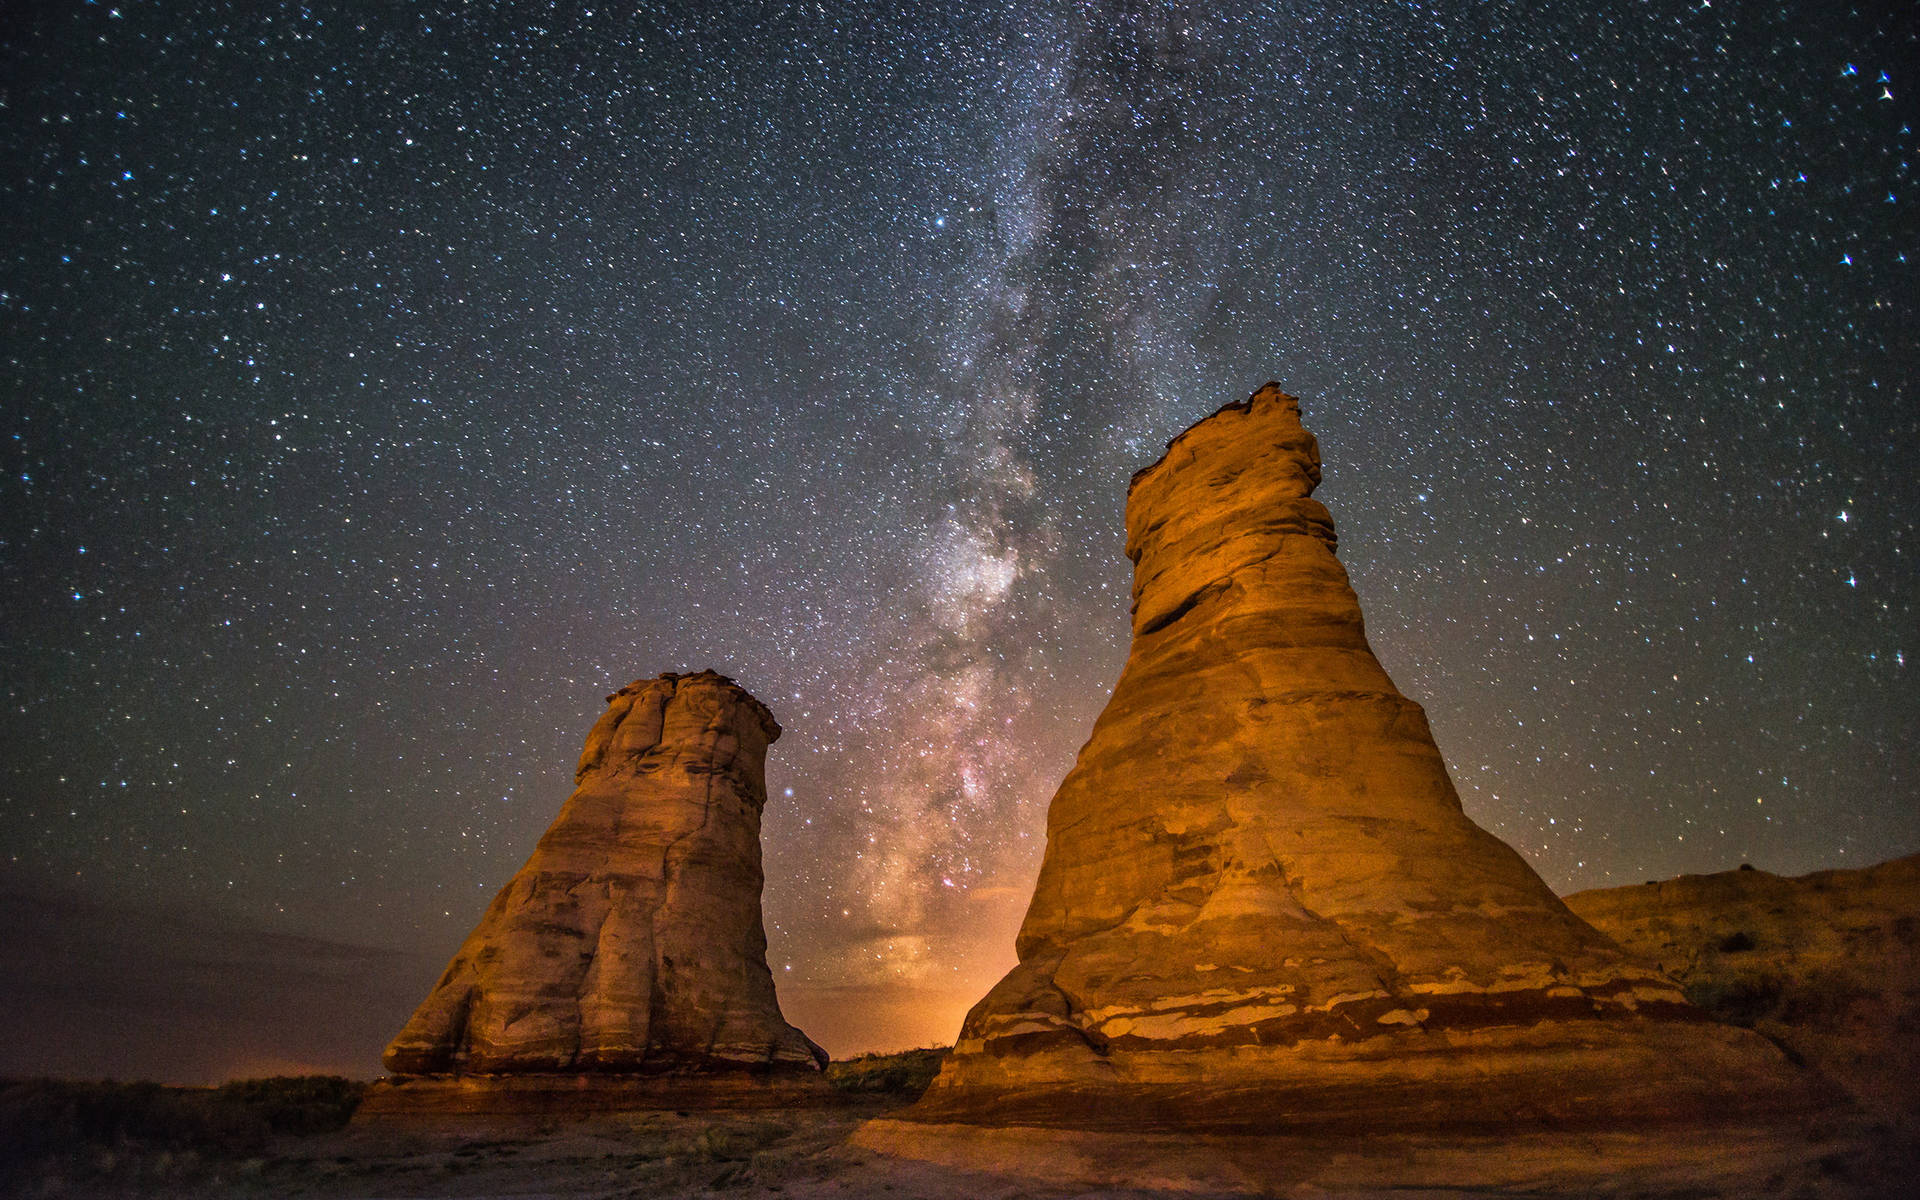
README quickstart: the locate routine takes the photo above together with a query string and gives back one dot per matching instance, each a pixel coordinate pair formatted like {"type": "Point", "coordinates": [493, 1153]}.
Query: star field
{"type": "Point", "coordinates": [386, 387]}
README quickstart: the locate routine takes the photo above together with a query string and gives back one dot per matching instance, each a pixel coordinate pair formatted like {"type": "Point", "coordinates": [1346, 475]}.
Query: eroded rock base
{"type": "Point", "coordinates": [1696, 1161]}
{"type": "Point", "coordinates": [1551, 1075]}
{"type": "Point", "coordinates": [541, 1095]}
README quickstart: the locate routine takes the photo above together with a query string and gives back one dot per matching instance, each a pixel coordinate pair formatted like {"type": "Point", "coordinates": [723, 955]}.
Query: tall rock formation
{"type": "Point", "coordinates": [1261, 904]}
{"type": "Point", "coordinates": [631, 943]}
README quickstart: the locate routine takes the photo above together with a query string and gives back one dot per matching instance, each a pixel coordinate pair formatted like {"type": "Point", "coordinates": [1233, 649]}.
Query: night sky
{"type": "Point", "coordinates": [386, 384]}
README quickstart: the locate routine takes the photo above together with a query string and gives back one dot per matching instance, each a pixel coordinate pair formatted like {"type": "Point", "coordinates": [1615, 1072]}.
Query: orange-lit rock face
{"type": "Point", "coordinates": [1258, 868]}
{"type": "Point", "coordinates": [632, 940]}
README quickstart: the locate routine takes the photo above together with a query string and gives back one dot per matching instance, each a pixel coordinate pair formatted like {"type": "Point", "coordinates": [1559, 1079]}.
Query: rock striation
{"type": "Point", "coordinates": [631, 943]}
{"type": "Point", "coordinates": [1827, 965]}
{"type": "Point", "coordinates": [1261, 905]}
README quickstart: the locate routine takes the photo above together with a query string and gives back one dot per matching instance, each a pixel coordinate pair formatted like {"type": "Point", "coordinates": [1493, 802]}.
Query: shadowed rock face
{"type": "Point", "coordinates": [1827, 964]}
{"type": "Point", "coordinates": [1261, 902]}
{"type": "Point", "coordinates": [632, 939]}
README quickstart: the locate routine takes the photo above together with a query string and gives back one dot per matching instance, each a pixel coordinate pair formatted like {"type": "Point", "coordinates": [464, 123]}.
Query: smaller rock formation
{"type": "Point", "coordinates": [1827, 965]}
{"type": "Point", "coordinates": [630, 946]}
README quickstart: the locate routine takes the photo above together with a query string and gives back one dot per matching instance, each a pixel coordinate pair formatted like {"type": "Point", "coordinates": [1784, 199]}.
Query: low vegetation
{"type": "Point", "coordinates": [904, 1075]}
{"type": "Point", "coordinates": [59, 1134]}
{"type": "Point", "coordinates": [1828, 1001]}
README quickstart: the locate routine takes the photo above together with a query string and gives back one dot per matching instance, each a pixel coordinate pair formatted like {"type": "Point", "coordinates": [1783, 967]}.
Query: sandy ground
{"type": "Point", "coordinates": [854, 1151]}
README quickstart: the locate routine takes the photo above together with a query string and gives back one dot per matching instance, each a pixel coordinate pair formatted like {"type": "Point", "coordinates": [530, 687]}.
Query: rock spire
{"type": "Point", "coordinates": [1261, 904]}
{"type": "Point", "coordinates": [631, 943]}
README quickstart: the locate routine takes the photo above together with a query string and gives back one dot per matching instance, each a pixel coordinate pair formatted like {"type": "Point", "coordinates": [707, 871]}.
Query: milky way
{"type": "Point", "coordinates": [386, 387]}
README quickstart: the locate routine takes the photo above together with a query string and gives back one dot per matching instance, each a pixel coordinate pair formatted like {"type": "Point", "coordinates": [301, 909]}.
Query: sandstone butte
{"type": "Point", "coordinates": [1827, 965]}
{"type": "Point", "coordinates": [1261, 907]}
{"type": "Point", "coordinates": [625, 963]}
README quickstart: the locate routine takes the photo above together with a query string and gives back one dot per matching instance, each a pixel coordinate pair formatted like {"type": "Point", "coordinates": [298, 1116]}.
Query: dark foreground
{"type": "Point", "coordinates": [288, 1138]}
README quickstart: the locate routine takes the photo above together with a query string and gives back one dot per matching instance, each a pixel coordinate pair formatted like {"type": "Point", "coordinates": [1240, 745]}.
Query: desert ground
{"type": "Point", "coordinates": [126, 1141]}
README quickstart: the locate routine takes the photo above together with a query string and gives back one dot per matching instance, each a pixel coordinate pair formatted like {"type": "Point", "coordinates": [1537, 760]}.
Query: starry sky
{"type": "Point", "coordinates": [386, 384]}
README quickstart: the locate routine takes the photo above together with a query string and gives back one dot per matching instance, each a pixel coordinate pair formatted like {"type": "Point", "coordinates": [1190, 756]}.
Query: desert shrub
{"type": "Point", "coordinates": [1831, 1001]}
{"type": "Point", "coordinates": [1742, 1000]}
{"type": "Point", "coordinates": [723, 1145]}
{"type": "Point", "coordinates": [713, 1138]}
{"type": "Point", "coordinates": [43, 1116]}
{"type": "Point", "coordinates": [106, 1129]}
{"type": "Point", "coordinates": [905, 1074]}
{"type": "Point", "coordinates": [296, 1104]}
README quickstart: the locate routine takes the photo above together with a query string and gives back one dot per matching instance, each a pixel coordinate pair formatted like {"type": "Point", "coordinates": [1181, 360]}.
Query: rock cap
{"type": "Point", "coordinates": [707, 678]}
{"type": "Point", "coordinates": [1269, 396]}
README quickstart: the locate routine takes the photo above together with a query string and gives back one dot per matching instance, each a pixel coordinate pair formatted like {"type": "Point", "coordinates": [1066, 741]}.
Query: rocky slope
{"type": "Point", "coordinates": [1261, 903]}
{"type": "Point", "coordinates": [1827, 964]}
{"type": "Point", "coordinates": [631, 943]}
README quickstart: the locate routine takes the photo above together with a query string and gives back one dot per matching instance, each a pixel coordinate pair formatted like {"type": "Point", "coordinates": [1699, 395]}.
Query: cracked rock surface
{"type": "Point", "coordinates": [1261, 903]}
{"type": "Point", "coordinates": [632, 940]}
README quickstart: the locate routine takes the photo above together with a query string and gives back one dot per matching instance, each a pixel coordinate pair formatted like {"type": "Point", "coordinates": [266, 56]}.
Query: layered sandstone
{"type": "Point", "coordinates": [631, 944]}
{"type": "Point", "coordinates": [1827, 964]}
{"type": "Point", "coordinates": [1261, 904]}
